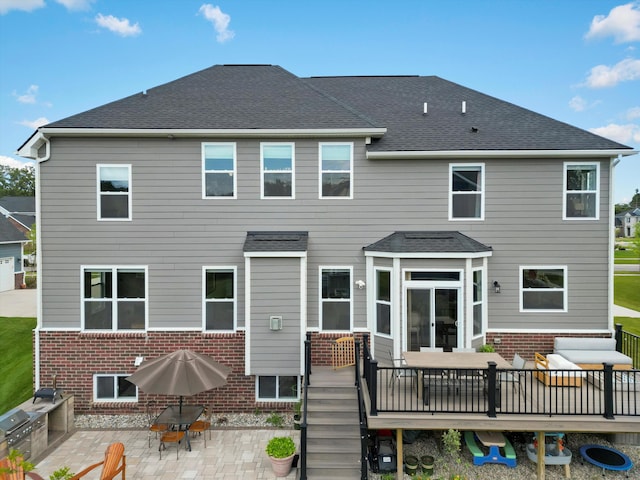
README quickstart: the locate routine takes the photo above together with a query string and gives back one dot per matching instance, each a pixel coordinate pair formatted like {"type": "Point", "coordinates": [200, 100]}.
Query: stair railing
{"type": "Point", "coordinates": [303, 420]}
{"type": "Point", "coordinates": [364, 429]}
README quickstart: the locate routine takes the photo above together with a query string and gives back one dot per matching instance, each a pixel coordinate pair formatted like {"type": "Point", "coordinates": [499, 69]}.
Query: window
{"type": "Point", "coordinates": [543, 289]}
{"type": "Point", "coordinates": [466, 201]}
{"type": "Point", "coordinates": [219, 298]}
{"type": "Point", "coordinates": [478, 292]}
{"type": "Point", "coordinates": [114, 192]}
{"type": "Point", "coordinates": [581, 190]}
{"type": "Point", "coordinates": [335, 306]}
{"type": "Point", "coordinates": [114, 298]}
{"type": "Point", "coordinates": [278, 387]}
{"type": "Point", "coordinates": [219, 170]}
{"type": "Point", "coordinates": [278, 170]}
{"type": "Point", "coordinates": [336, 170]}
{"type": "Point", "coordinates": [109, 388]}
{"type": "Point", "coordinates": [383, 302]}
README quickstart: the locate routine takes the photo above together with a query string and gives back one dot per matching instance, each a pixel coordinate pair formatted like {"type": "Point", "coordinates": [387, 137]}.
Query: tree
{"type": "Point", "coordinates": [17, 182]}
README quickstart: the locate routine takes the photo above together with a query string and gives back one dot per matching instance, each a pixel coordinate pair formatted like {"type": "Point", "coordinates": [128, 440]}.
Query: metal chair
{"type": "Point", "coordinates": [515, 377]}
{"type": "Point", "coordinates": [172, 436]}
{"type": "Point", "coordinates": [400, 372]}
{"type": "Point", "coordinates": [201, 426]}
{"type": "Point", "coordinates": [152, 414]}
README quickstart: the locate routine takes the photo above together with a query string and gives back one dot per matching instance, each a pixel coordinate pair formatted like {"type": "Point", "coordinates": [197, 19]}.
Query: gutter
{"type": "Point", "coordinates": [461, 154]}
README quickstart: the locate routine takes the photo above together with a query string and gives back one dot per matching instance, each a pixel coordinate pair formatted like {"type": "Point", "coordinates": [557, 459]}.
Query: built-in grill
{"type": "Point", "coordinates": [16, 426]}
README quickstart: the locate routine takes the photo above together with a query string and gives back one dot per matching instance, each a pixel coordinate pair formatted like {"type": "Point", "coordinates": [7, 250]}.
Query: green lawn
{"type": "Point", "coordinates": [621, 254]}
{"type": "Point", "coordinates": [626, 288]}
{"type": "Point", "coordinates": [16, 368]}
{"type": "Point", "coordinates": [631, 325]}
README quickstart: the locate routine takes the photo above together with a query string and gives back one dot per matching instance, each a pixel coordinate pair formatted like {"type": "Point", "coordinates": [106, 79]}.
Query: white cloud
{"type": "Point", "coordinates": [119, 26]}
{"type": "Point", "coordinates": [76, 4]}
{"type": "Point", "coordinates": [622, 23]}
{"type": "Point", "coordinates": [578, 104]}
{"type": "Point", "coordinates": [602, 76]}
{"type": "Point", "coordinates": [220, 21]}
{"type": "Point", "coordinates": [629, 133]}
{"type": "Point", "coordinates": [29, 96]}
{"type": "Point", "coordinates": [633, 113]}
{"type": "Point", "coordinates": [13, 162]}
{"type": "Point", "coordinates": [38, 122]}
{"type": "Point", "coordinates": [24, 5]}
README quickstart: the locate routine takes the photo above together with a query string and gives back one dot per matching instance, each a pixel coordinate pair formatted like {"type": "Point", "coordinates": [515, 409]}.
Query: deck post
{"type": "Point", "coordinates": [541, 454]}
{"type": "Point", "coordinates": [608, 391]}
{"type": "Point", "coordinates": [618, 336]}
{"type": "Point", "coordinates": [399, 455]}
{"type": "Point", "coordinates": [491, 385]}
{"type": "Point", "coordinates": [373, 387]}
{"type": "Point", "coordinates": [308, 359]}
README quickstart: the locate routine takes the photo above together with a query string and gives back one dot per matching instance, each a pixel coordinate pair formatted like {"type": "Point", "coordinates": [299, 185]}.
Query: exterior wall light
{"type": "Point", "coordinates": [496, 286]}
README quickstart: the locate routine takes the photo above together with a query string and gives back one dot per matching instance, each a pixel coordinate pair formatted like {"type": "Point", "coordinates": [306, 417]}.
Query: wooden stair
{"type": "Point", "coordinates": [333, 426]}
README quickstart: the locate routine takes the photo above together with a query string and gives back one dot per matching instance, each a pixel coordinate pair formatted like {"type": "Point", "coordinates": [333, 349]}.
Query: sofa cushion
{"type": "Point", "coordinates": [598, 356]}
{"type": "Point", "coordinates": [570, 343]}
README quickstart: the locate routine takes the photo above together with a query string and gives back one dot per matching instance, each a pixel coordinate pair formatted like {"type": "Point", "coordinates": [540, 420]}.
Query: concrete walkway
{"type": "Point", "coordinates": [19, 303]}
{"type": "Point", "coordinates": [230, 454]}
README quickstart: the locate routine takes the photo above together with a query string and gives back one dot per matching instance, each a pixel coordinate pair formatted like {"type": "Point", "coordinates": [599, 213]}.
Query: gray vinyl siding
{"type": "Point", "coordinates": [174, 232]}
{"type": "Point", "coordinates": [275, 290]}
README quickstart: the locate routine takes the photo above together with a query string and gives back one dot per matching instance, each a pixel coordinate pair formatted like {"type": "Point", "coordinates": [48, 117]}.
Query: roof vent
{"type": "Point", "coordinates": [464, 107]}
{"type": "Point", "coordinates": [424, 108]}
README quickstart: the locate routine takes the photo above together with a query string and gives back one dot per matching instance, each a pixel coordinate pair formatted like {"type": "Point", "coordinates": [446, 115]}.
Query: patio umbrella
{"type": "Point", "coordinates": [182, 373]}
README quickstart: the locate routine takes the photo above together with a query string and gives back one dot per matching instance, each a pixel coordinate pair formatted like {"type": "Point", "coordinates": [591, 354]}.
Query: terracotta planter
{"type": "Point", "coordinates": [281, 466]}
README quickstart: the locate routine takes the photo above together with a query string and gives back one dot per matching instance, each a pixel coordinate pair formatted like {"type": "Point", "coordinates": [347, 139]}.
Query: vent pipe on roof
{"type": "Point", "coordinates": [424, 108]}
{"type": "Point", "coordinates": [464, 107]}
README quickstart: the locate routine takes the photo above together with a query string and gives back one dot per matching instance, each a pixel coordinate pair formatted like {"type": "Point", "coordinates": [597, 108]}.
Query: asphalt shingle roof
{"type": "Point", "coordinates": [9, 233]}
{"type": "Point", "coordinates": [276, 242]}
{"type": "Point", "coordinates": [19, 204]}
{"type": "Point", "coordinates": [269, 97]}
{"type": "Point", "coordinates": [427, 242]}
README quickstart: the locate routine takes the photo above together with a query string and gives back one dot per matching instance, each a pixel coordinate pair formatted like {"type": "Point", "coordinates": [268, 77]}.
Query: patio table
{"type": "Point", "coordinates": [180, 416]}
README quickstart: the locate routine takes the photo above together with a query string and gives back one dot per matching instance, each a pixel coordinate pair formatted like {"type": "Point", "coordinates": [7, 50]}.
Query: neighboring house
{"type": "Point", "coordinates": [241, 208]}
{"type": "Point", "coordinates": [17, 215]}
{"type": "Point", "coordinates": [626, 222]}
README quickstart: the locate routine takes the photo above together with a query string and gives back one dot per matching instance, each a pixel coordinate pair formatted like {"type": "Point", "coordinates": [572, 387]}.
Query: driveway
{"type": "Point", "coordinates": [18, 303]}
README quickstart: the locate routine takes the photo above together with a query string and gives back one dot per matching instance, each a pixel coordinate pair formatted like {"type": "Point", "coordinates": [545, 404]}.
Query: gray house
{"type": "Point", "coordinates": [241, 208]}
{"type": "Point", "coordinates": [626, 222]}
{"type": "Point", "coordinates": [17, 215]}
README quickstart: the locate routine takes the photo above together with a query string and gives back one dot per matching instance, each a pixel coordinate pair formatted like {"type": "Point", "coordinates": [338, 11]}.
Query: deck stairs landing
{"type": "Point", "coordinates": [333, 427]}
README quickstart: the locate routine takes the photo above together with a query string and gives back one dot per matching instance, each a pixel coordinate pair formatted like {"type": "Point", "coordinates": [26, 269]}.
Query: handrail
{"type": "Point", "coordinates": [629, 344]}
{"type": "Point", "coordinates": [364, 466]}
{"type": "Point", "coordinates": [303, 420]}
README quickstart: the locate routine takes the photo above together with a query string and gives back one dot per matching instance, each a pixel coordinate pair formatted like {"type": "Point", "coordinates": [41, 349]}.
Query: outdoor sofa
{"type": "Point", "coordinates": [591, 353]}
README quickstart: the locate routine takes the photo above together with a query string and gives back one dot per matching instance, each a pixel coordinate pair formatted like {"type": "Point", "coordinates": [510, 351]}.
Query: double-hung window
{"type": "Point", "coordinates": [114, 192]}
{"type": "Point", "coordinates": [383, 302]}
{"type": "Point", "coordinates": [466, 197]}
{"type": "Point", "coordinates": [277, 387]}
{"type": "Point", "coordinates": [219, 170]}
{"type": "Point", "coordinates": [114, 298]}
{"type": "Point", "coordinates": [335, 304]}
{"type": "Point", "coordinates": [581, 191]}
{"type": "Point", "coordinates": [336, 170]}
{"type": "Point", "coordinates": [220, 298]}
{"type": "Point", "coordinates": [543, 289]}
{"type": "Point", "coordinates": [278, 170]}
{"type": "Point", "coordinates": [114, 388]}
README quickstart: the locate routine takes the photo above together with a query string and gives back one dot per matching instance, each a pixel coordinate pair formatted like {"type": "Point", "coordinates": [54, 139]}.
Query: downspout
{"type": "Point", "coordinates": [612, 234]}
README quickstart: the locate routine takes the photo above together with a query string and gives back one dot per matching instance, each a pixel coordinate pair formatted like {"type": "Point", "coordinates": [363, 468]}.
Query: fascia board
{"type": "Point", "coordinates": [275, 254]}
{"type": "Point", "coordinates": [427, 255]}
{"type": "Point", "coordinates": [401, 155]}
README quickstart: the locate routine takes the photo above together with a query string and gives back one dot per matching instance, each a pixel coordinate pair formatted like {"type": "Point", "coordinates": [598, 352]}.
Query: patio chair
{"type": "Point", "coordinates": [11, 469]}
{"type": "Point", "coordinates": [515, 377]}
{"type": "Point", "coordinates": [400, 372]}
{"type": "Point", "coordinates": [201, 426]}
{"type": "Point", "coordinates": [114, 463]}
{"type": "Point", "coordinates": [152, 414]}
{"type": "Point", "coordinates": [171, 436]}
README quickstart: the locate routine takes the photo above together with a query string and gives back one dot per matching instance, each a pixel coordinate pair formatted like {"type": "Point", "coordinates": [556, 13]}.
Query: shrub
{"type": "Point", "coordinates": [281, 447]}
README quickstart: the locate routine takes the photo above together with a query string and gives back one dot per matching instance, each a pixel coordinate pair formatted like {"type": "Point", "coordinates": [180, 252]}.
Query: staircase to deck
{"type": "Point", "coordinates": [333, 427]}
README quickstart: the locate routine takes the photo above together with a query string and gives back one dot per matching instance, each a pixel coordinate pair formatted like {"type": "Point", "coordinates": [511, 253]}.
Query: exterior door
{"type": "Point", "coordinates": [431, 317]}
{"type": "Point", "coordinates": [6, 274]}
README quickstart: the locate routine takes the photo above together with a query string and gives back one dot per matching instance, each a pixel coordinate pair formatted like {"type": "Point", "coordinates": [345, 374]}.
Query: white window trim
{"type": "Point", "coordinates": [565, 192]}
{"type": "Point", "coordinates": [277, 398]}
{"type": "Point", "coordinates": [114, 376]}
{"type": "Point", "coordinates": [481, 192]}
{"type": "Point", "coordinates": [234, 172]}
{"type": "Point", "coordinates": [292, 171]}
{"type": "Point", "coordinates": [99, 193]}
{"type": "Point", "coordinates": [482, 301]}
{"type": "Point", "coordinates": [219, 268]}
{"type": "Point", "coordinates": [321, 171]}
{"type": "Point", "coordinates": [114, 273]}
{"type": "Point", "coordinates": [322, 300]}
{"type": "Point", "coordinates": [383, 302]}
{"type": "Point", "coordinates": [565, 290]}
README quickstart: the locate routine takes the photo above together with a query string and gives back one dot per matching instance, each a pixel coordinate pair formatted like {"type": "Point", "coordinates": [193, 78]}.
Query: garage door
{"type": "Point", "coordinates": [6, 274]}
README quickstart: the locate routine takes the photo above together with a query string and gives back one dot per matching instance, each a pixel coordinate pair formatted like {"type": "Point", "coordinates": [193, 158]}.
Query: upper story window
{"type": "Point", "coordinates": [114, 192]}
{"type": "Point", "coordinates": [543, 289]}
{"type": "Point", "coordinates": [336, 170]}
{"type": "Point", "coordinates": [220, 298]}
{"type": "Point", "coordinates": [278, 170]}
{"type": "Point", "coordinates": [383, 302]}
{"type": "Point", "coordinates": [335, 304]}
{"type": "Point", "coordinates": [114, 298]}
{"type": "Point", "coordinates": [466, 197]}
{"type": "Point", "coordinates": [219, 170]}
{"type": "Point", "coordinates": [581, 191]}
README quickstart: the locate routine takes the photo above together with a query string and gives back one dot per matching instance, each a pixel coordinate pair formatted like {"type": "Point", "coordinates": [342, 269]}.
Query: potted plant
{"type": "Point", "coordinates": [297, 411]}
{"type": "Point", "coordinates": [281, 451]}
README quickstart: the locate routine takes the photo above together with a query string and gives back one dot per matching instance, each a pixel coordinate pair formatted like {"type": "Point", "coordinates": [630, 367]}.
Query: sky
{"type": "Point", "coordinates": [573, 60]}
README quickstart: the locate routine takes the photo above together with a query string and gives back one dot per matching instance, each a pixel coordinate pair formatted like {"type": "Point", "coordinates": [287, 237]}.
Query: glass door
{"type": "Point", "coordinates": [431, 317]}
